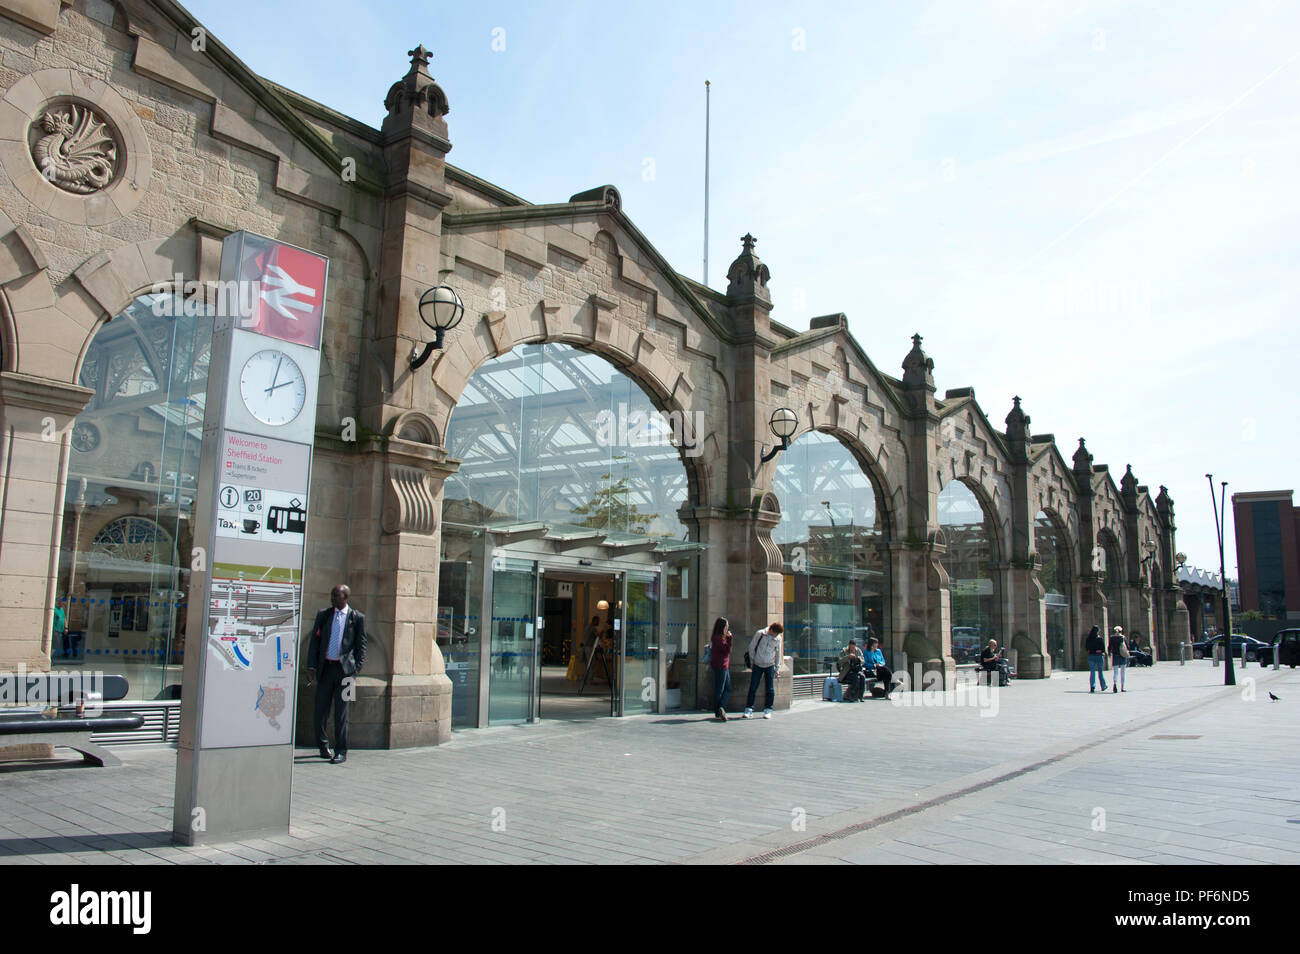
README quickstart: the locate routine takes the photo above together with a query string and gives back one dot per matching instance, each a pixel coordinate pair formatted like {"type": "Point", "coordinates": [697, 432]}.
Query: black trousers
{"type": "Point", "coordinates": [329, 689]}
{"type": "Point", "coordinates": [884, 675]}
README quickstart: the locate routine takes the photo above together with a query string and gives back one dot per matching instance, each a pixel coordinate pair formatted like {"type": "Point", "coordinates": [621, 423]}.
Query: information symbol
{"type": "Point", "coordinates": [229, 497]}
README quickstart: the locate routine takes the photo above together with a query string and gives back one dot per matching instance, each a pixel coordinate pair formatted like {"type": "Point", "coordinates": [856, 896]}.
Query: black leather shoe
{"type": "Point", "coordinates": [325, 753]}
{"type": "Point", "coordinates": [339, 758]}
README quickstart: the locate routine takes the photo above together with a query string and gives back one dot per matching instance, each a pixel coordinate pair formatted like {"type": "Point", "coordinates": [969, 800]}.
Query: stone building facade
{"type": "Point", "coordinates": [128, 150]}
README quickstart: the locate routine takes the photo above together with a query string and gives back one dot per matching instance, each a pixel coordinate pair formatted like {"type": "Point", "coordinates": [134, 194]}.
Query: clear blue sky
{"type": "Point", "coordinates": [1091, 205]}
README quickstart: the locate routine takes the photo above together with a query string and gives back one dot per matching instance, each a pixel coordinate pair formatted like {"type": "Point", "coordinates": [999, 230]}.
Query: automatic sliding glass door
{"type": "Point", "coordinates": [643, 675]}
{"type": "Point", "coordinates": [512, 692]}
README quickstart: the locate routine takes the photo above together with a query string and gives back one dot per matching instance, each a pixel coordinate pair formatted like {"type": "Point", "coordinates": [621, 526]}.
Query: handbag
{"type": "Point", "coordinates": [748, 662]}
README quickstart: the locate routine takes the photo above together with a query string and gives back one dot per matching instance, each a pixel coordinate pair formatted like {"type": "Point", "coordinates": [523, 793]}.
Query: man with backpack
{"type": "Point", "coordinates": [763, 657]}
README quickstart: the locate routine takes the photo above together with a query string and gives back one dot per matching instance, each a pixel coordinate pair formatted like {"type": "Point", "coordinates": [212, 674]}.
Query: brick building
{"type": "Point", "coordinates": [585, 472]}
{"type": "Point", "coordinates": [1267, 526]}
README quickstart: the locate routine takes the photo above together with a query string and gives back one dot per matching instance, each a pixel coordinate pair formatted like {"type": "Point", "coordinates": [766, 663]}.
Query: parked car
{"type": "Point", "coordinates": [1287, 644]}
{"type": "Point", "coordinates": [966, 644]}
{"type": "Point", "coordinates": [1205, 648]}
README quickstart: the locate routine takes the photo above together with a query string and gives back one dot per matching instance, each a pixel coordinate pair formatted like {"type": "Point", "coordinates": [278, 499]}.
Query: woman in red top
{"type": "Point", "coordinates": [720, 663]}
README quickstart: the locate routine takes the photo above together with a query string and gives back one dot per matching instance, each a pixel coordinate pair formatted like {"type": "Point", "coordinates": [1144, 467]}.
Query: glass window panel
{"type": "Point", "coordinates": [972, 581]}
{"type": "Point", "coordinates": [1054, 574]}
{"type": "Point", "coordinates": [132, 477]}
{"type": "Point", "coordinates": [836, 576]}
{"type": "Point", "coordinates": [549, 433]}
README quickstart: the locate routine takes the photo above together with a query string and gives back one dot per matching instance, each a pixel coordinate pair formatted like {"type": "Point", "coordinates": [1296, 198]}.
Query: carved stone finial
{"type": "Point", "coordinates": [918, 370]}
{"type": "Point", "coordinates": [416, 90]}
{"type": "Point", "coordinates": [1128, 483]}
{"type": "Point", "coordinates": [1082, 460]}
{"type": "Point", "coordinates": [747, 274]}
{"type": "Point", "coordinates": [1164, 502]}
{"type": "Point", "coordinates": [1018, 427]}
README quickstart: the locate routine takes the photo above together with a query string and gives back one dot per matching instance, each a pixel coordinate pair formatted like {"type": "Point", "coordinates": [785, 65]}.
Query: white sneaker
{"type": "Point", "coordinates": [767, 713]}
{"type": "Point", "coordinates": [749, 714]}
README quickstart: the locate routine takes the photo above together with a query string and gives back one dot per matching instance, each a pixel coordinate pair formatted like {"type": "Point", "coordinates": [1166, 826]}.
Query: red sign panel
{"type": "Point", "coordinates": [287, 291]}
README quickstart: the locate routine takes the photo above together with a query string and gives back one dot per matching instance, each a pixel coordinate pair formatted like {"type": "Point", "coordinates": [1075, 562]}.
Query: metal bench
{"type": "Point", "coordinates": [67, 694]}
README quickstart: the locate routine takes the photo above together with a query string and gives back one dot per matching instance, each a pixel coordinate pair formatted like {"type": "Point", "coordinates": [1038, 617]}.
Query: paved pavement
{"type": "Point", "coordinates": [1176, 770]}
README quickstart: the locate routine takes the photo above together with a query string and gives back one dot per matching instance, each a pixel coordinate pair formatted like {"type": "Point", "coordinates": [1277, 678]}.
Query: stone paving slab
{"type": "Point", "coordinates": [1014, 778]}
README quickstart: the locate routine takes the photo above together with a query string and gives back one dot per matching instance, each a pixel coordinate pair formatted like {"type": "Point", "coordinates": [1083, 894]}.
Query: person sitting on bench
{"type": "Point", "coordinates": [875, 663]}
{"type": "Point", "coordinates": [851, 675]}
{"type": "Point", "coordinates": [991, 659]}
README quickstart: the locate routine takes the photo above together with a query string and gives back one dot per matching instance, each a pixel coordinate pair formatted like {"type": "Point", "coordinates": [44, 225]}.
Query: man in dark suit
{"type": "Point", "coordinates": [336, 654]}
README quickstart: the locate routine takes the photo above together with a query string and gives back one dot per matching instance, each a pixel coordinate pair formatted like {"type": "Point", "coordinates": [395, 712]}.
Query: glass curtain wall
{"type": "Point", "coordinates": [972, 580]}
{"type": "Point", "coordinates": [124, 559]}
{"type": "Point", "coordinates": [552, 435]}
{"type": "Point", "coordinates": [830, 536]}
{"type": "Point", "coordinates": [1054, 575]}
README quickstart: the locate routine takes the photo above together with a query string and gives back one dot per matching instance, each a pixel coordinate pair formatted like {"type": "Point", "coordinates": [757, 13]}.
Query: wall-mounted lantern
{"type": "Point", "coordinates": [441, 309]}
{"type": "Point", "coordinates": [783, 422]}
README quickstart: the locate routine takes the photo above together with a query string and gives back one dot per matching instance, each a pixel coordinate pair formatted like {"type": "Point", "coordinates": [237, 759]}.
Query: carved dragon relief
{"type": "Point", "coordinates": [78, 153]}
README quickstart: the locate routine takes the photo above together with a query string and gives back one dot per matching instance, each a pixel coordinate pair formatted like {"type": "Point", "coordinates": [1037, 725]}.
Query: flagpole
{"type": "Point", "coordinates": [706, 182]}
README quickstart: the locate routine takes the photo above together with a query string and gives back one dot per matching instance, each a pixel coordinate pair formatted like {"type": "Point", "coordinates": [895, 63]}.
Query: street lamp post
{"type": "Point", "coordinates": [1229, 674]}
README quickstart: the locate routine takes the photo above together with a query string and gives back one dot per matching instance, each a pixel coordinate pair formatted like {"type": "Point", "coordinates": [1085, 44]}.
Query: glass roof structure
{"type": "Point", "coordinates": [553, 434]}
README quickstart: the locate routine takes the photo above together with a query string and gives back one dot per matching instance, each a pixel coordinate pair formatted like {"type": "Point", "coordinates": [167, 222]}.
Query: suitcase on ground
{"type": "Point", "coordinates": [832, 691]}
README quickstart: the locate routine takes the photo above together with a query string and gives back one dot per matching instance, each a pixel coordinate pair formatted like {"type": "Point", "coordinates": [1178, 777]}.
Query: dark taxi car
{"type": "Point", "coordinates": [1287, 645]}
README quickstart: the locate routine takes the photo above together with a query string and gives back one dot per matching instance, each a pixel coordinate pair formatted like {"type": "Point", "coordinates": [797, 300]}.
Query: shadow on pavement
{"type": "Point", "coordinates": [65, 844]}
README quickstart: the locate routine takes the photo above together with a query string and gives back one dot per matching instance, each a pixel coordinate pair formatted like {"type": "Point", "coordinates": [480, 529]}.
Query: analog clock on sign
{"type": "Point", "coordinates": [273, 387]}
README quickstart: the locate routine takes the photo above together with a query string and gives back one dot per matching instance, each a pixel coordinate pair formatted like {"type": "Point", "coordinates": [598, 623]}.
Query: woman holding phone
{"type": "Point", "coordinates": [720, 663]}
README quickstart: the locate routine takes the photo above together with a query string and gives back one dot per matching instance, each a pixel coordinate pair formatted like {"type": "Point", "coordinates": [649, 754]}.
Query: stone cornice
{"type": "Point", "coordinates": [325, 114]}
{"type": "Point", "coordinates": [440, 144]}
{"type": "Point", "coordinates": [43, 394]}
{"type": "Point", "coordinates": [811, 337]}
{"type": "Point", "coordinates": [211, 229]}
{"type": "Point", "coordinates": [264, 94]}
{"type": "Point", "coordinates": [997, 438]}
{"type": "Point", "coordinates": [437, 199]}
{"type": "Point", "coordinates": [566, 210]}
{"type": "Point", "coordinates": [456, 174]}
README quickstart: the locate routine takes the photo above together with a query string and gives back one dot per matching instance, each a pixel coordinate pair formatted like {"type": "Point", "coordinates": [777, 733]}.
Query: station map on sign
{"type": "Point", "coordinates": [253, 619]}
